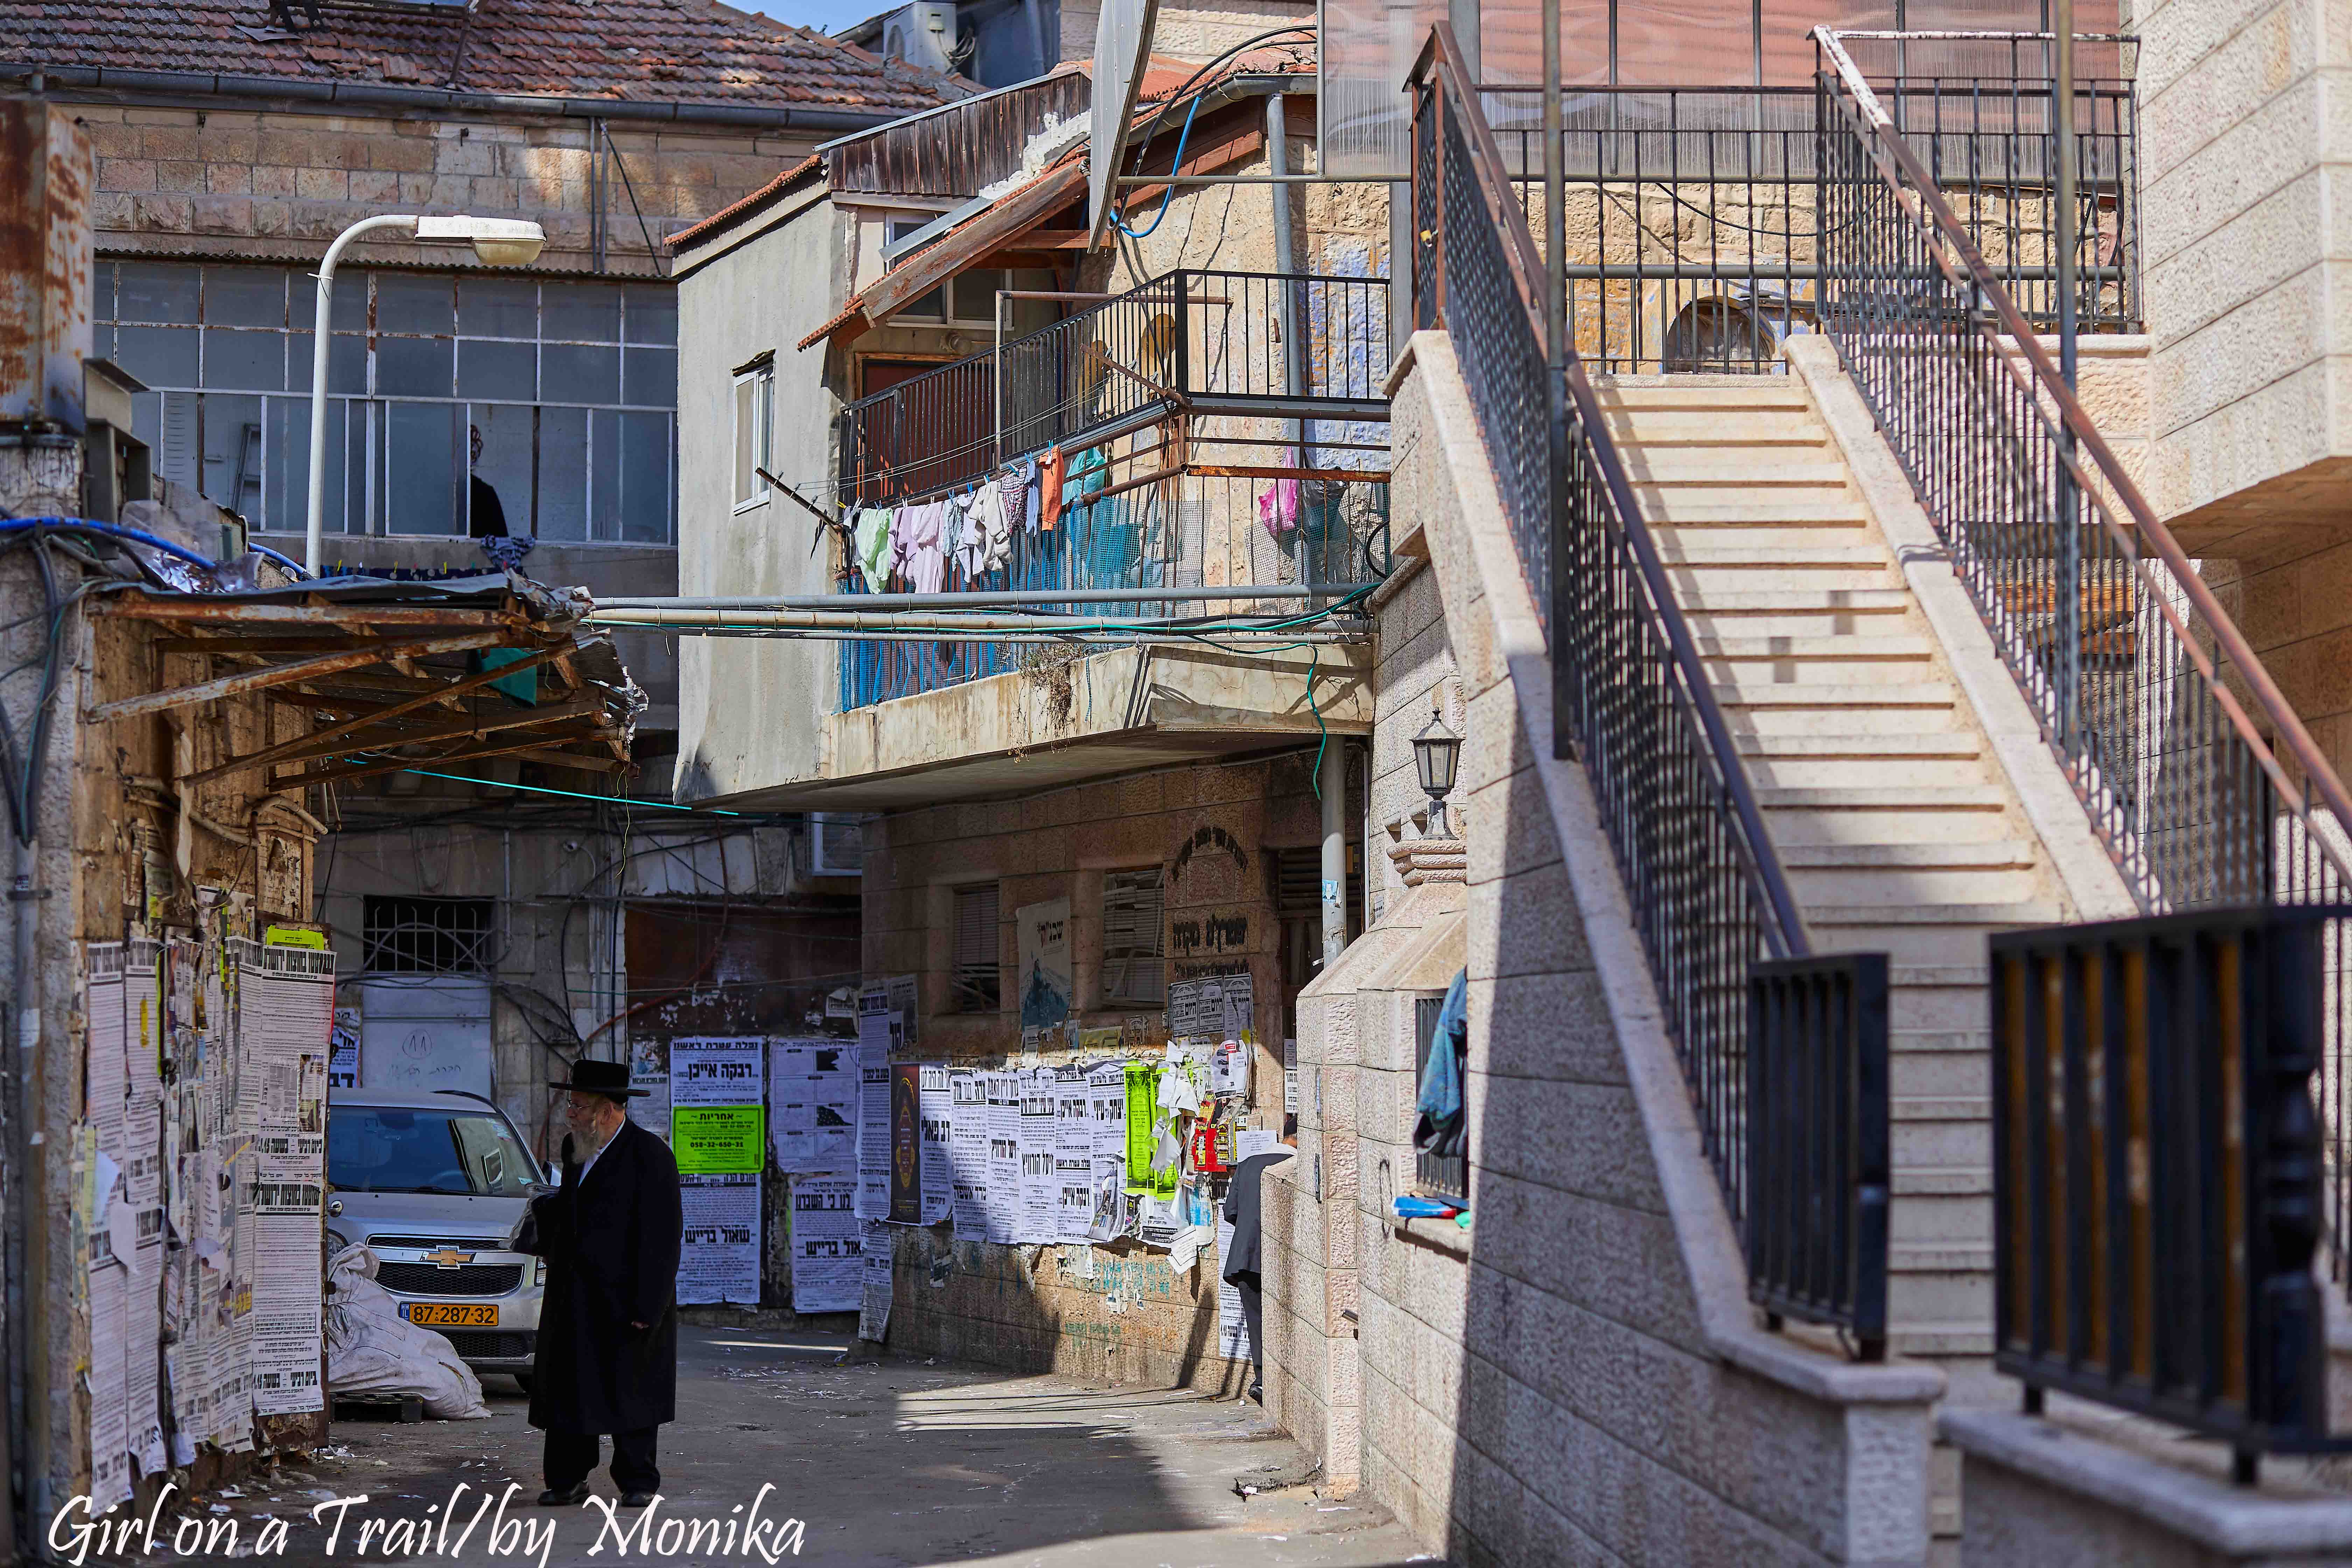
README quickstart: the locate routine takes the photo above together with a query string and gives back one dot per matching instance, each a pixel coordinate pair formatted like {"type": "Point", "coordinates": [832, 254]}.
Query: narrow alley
{"type": "Point", "coordinates": [883, 1461]}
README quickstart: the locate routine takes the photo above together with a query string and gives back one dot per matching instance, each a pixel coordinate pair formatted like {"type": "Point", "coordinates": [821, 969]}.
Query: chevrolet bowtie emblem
{"type": "Point", "coordinates": [449, 1258]}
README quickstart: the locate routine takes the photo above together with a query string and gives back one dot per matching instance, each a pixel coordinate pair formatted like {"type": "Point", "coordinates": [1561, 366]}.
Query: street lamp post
{"type": "Point", "coordinates": [498, 241]}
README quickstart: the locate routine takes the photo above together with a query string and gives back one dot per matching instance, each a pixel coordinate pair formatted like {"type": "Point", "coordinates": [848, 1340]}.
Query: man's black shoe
{"type": "Point", "coordinates": [636, 1500]}
{"type": "Point", "coordinates": [576, 1495]}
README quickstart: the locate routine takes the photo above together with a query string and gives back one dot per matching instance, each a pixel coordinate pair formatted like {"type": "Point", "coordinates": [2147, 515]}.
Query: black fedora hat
{"type": "Point", "coordinates": [599, 1078]}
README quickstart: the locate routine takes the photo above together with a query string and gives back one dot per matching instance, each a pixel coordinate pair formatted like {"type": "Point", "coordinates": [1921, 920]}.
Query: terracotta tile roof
{"type": "Point", "coordinates": [651, 52]}
{"type": "Point", "coordinates": [735, 212]}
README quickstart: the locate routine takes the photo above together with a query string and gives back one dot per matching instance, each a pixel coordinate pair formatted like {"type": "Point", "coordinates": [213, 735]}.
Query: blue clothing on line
{"type": "Point", "coordinates": [1439, 1128]}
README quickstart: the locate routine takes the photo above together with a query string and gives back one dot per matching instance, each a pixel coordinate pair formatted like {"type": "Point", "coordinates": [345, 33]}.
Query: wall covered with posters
{"type": "Point", "coordinates": [187, 1023]}
{"type": "Point", "coordinates": [1065, 1175]}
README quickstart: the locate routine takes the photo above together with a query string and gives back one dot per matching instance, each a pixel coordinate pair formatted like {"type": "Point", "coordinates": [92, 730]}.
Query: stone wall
{"type": "Point", "coordinates": [2241, 167]}
{"type": "Point", "coordinates": [277, 184]}
{"type": "Point", "coordinates": [1211, 829]}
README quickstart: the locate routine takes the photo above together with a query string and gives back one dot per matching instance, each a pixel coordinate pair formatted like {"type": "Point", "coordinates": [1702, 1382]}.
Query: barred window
{"type": "Point", "coordinates": [427, 936]}
{"type": "Point", "coordinates": [978, 983]}
{"type": "Point", "coordinates": [1133, 971]}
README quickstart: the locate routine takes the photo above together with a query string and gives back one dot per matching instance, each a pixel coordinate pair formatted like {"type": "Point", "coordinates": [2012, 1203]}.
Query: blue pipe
{"type": "Point", "coordinates": [110, 531]}
{"type": "Point", "coordinates": [286, 561]}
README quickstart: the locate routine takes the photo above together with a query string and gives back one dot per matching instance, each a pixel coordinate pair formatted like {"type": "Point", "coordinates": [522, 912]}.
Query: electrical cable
{"type": "Point", "coordinates": [1118, 212]}
{"type": "Point", "coordinates": [572, 794]}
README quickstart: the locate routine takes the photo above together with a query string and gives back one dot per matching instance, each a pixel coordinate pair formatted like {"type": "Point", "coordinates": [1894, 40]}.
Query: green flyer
{"type": "Point", "coordinates": [718, 1140]}
{"type": "Point", "coordinates": [1142, 1089]}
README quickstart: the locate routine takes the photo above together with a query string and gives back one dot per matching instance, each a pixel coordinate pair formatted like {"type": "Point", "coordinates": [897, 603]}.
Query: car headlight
{"type": "Point", "coordinates": [337, 1240]}
{"type": "Point", "coordinates": [539, 1272]}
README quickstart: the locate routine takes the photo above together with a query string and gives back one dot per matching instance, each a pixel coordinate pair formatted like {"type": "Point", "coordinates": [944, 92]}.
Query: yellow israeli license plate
{"type": "Point", "coordinates": [449, 1315]}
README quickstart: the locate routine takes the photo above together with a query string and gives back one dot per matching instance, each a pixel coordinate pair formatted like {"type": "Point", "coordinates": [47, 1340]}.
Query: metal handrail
{"type": "Point", "coordinates": [1439, 66]}
{"type": "Point", "coordinates": [2093, 465]}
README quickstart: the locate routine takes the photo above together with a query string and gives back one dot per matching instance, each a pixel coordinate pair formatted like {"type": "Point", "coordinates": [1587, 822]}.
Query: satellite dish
{"type": "Point", "coordinates": [1123, 30]}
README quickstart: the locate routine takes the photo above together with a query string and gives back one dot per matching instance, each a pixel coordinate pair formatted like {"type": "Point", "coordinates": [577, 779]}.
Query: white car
{"type": "Point", "coordinates": [436, 1183]}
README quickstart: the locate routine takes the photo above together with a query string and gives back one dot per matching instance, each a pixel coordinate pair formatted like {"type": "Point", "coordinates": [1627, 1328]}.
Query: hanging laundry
{"type": "Point", "coordinates": [1049, 478]}
{"type": "Point", "coordinates": [919, 555]}
{"type": "Point", "coordinates": [874, 530]}
{"type": "Point", "coordinates": [1019, 485]}
{"type": "Point", "coordinates": [1088, 472]}
{"type": "Point", "coordinates": [953, 522]}
{"type": "Point", "coordinates": [983, 540]}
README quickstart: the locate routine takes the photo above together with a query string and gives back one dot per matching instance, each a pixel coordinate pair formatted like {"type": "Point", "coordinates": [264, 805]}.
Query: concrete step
{"type": "Point", "coordinates": [1793, 826]}
{"type": "Point", "coordinates": [1876, 648]}
{"type": "Point", "coordinates": [1917, 1298]}
{"type": "Point", "coordinates": [1922, 1341]}
{"type": "Point", "coordinates": [1928, 1041]}
{"type": "Point", "coordinates": [1956, 798]}
{"type": "Point", "coordinates": [1737, 470]}
{"type": "Point", "coordinates": [1833, 578]}
{"type": "Point", "coordinates": [1875, 773]}
{"type": "Point", "coordinates": [1935, 1009]}
{"type": "Point", "coordinates": [1726, 505]}
{"type": "Point", "coordinates": [1988, 855]}
{"type": "Point", "coordinates": [1742, 428]}
{"type": "Point", "coordinates": [2008, 916]}
{"type": "Point", "coordinates": [1675, 392]}
{"type": "Point", "coordinates": [1748, 530]}
{"type": "Point", "coordinates": [1949, 745]}
{"type": "Point", "coordinates": [1939, 1076]}
{"type": "Point", "coordinates": [1937, 1221]}
{"type": "Point", "coordinates": [1759, 558]}
{"type": "Point", "coordinates": [1764, 669]}
{"type": "Point", "coordinates": [1820, 623]}
{"type": "Point", "coordinates": [1797, 601]}
{"type": "Point", "coordinates": [1890, 887]}
{"type": "Point", "coordinates": [1956, 1181]}
{"type": "Point", "coordinates": [1766, 718]}
{"type": "Point", "coordinates": [1843, 697]}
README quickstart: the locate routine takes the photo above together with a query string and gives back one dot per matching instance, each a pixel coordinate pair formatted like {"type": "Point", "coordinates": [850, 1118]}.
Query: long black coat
{"type": "Point", "coordinates": [611, 1243]}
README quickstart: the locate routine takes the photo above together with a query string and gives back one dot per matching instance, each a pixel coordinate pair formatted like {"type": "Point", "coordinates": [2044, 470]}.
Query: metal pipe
{"type": "Point", "coordinates": [26, 897]}
{"type": "Point", "coordinates": [1256, 179]}
{"type": "Point", "coordinates": [917, 621]}
{"type": "Point", "coordinates": [1285, 261]}
{"type": "Point", "coordinates": [991, 600]}
{"type": "Point", "coordinates": [1148, 637]}
{"type": "Point", "coordinates": [2070, 539]}
{"type": "Point", "coordinates": [1331, 782]}
{"type": "Point", "coordinates": [312, 529]}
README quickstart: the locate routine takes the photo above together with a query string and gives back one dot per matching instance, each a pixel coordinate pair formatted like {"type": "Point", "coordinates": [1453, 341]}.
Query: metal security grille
{"type": "Point", "coordinates": [1435, 1175]}
{"type": "Point", "coordinates": [482, 1344]}
{"type": "Point", "coordinates": [978, 978]}
{"type": "Point", "coordinates": [1132, 967]}
{"type": "Point", "coordinates": [430, 1279]}
{"type": "Point", "coordinates": [427, 936]}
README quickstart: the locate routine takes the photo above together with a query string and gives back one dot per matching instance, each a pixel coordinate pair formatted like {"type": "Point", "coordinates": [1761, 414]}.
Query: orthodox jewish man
{"type": "Point", "coordinates": [607, 1355]}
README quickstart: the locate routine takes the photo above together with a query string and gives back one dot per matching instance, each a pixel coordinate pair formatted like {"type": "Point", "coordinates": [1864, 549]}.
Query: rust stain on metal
{"type": "Point", "coordinates": [45, 180]}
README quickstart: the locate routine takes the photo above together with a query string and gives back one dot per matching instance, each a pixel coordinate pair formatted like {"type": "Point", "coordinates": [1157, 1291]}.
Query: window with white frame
{"type": "Point", "coordinates": [755, 425]}
{"type": "Point", "coordinates": [453, 398]}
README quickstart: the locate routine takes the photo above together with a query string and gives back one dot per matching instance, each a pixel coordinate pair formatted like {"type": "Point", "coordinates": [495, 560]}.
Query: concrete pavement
{"type": "Point", "coordinates": [889, 1463]}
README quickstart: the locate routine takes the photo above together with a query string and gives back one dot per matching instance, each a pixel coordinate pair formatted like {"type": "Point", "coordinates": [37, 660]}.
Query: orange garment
{"type": "Point", "coordinates": [1049, 485]}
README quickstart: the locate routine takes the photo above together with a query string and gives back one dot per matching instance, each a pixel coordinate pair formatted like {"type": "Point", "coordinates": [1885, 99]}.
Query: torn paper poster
{"type": "Point", "coordinates": [1040, 1188]}
{"type": "Point", "coordinates": [1074, 1156]}
{"type": "Point", "coordinates": [719, 1256]}
{"type": "Point", "coordinates": [877, 1027]}
{"type": "Point", "coordinates": [828, 1275]}
{"type": "Point", "coordinates": [649, 1076]}
{"type": "Point", "coordinates": [876, 1242]}
{"type": "Point", "coordinates": [344, 1053]}
{"type": "Point", "coordinates": [1003, 1093]}
{"type": "Point", "coordinates": [967, 1154]}
{"type": "Point", "coordinates": [718, 1090]}
{"type": "Point", "coordinates": [813, 1104]}
{"type": "Point", "coordinates": [936, 1112]}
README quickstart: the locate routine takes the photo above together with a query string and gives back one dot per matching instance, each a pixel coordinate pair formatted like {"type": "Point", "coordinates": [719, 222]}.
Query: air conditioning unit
{"type": "Point", "coordinates": [837, 844]}
{"type": "Point", "coordinates": [923, 34]}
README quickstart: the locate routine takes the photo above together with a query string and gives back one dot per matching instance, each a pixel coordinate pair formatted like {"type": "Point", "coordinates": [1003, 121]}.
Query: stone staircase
{"type": "Point", "coordinates": [1897, 826]}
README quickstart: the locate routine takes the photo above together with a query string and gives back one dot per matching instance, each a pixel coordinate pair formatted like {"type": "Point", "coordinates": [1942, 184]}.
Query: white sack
{"type": "Point", "coordinates": [372, 1351]}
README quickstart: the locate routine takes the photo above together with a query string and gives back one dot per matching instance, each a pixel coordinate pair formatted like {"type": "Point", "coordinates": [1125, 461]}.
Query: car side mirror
{"type": "Point", "coordinates": [335, 1209]}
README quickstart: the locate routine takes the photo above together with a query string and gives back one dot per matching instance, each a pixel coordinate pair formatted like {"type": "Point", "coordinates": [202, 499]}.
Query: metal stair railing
{"type": "Point", "coordinates": [2200, 779]}
{"type": "Point", "coordinates": [1634, 705]}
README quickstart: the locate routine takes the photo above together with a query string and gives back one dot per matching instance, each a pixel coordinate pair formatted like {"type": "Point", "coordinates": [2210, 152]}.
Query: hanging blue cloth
{"type": "Point", "coordinates": [1439, 1128]}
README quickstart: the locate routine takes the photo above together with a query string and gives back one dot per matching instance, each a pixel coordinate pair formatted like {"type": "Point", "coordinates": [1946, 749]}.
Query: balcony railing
{"type": "Point", "coordinates": [2157, 1189]}
{"type": "Point", "coordinates": [1632, 704]}
{"type": "Point", "coordinates": [1231, 430]}
{"type": "Point", "coordinates": [1693, 213]}
{"type": "Point", "coordinates": [1232, 344]}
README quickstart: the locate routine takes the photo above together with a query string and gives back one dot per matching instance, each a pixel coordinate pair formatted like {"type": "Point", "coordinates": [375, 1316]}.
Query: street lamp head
{"type": "Point", "coordinates": [1436, 752]}
{"type": "Point", "coordinates": [498, 241]}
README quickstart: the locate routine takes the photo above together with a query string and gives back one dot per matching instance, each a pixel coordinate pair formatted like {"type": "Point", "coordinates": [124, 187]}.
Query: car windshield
{"type": "Point", "coordinates": [380, 1149]}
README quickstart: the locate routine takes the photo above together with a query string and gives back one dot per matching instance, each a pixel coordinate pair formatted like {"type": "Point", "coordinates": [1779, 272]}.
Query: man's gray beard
{"type": "Point", "coordinates": [592, 1142]}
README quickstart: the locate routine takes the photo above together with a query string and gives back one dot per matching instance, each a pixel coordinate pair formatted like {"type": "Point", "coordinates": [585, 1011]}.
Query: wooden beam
{"type": "Point", "coordinates": [1269, 471]}
{"type": "Point", "coordinates": [339, 738]}
{"type": "Point", "coordinates": [205, 611]}
{"type": "Point", "coordinates": [541, 749]}
{"type": "Point", "coordinates": [237, 646]}
{"type": "Point", "coordinates": [254, 680]}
